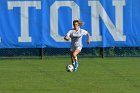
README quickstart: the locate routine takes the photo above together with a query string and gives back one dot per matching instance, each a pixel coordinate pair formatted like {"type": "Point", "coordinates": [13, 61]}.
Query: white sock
{"type": "Point", "coordinates": [76, 58]}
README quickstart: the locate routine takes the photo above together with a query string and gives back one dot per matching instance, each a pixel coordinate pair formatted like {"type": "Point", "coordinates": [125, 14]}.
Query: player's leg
{"type": "Point", "coordinates": [72, 58]}
{"type": "Point", "coordinates": [74, 61]}
{"type": "Point", "coordinates": [71, 55]}
{"type": "Point", "coordinates": [75, 53]}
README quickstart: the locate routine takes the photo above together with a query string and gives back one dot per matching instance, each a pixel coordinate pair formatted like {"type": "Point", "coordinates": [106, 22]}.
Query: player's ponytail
{"type": "Point", "coordinates": [79, 22]}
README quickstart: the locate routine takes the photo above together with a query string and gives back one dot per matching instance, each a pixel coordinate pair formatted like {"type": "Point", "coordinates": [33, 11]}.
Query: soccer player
{"type": "Point", "coordinates": [76, 35]}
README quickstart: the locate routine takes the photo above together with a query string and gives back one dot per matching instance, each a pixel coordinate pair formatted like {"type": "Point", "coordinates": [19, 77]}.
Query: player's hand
{"type": "Point", "coordinates": [66, 38]}
{"type": "Point", "coordinates": [88, 42]}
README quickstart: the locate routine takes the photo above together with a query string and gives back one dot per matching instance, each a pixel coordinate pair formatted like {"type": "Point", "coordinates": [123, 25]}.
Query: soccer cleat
{"type": "Point", "coordinates": [75, 69]}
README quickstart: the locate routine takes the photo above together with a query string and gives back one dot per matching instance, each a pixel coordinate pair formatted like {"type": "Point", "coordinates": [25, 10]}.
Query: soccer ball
{"type": "Point", "coordinates": [69, 68]}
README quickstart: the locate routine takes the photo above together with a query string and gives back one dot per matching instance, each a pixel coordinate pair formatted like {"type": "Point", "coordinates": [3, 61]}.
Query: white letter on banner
{"type": "Point", "coordinates": [98, 10]}
{"type": "Point", "coordinates": [54, 17]}
{"type": "Point", "coordinates": [24, 5]}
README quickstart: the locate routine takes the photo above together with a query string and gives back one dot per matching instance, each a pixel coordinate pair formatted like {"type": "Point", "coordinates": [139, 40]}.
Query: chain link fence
{"type": "Point", "coordinates": [40, 53]}
{"type": "Point", "coordinates": [122, 52]}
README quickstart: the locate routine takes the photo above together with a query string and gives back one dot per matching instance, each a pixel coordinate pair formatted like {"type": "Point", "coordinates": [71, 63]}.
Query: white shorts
{"type": "Point", "coordinates": [72, 49]}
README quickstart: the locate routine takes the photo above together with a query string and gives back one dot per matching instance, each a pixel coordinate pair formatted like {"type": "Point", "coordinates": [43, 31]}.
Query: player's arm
{"type": "Point", "coordinates": [67, 37]}
{"type": "Point", "coordinates": [88, 36]}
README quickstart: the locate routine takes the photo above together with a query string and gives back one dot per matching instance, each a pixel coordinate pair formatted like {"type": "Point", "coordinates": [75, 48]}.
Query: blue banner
{"type": "Point", "coordinates": [44, 23]}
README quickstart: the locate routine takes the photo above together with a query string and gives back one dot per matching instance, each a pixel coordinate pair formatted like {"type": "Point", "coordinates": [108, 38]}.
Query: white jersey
{"type": "Point", "coordinates": [76, 37]}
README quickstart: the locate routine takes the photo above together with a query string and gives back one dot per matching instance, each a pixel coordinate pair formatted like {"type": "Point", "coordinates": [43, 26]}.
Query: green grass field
{"type": "Point", "coordinates": [95, 75]}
